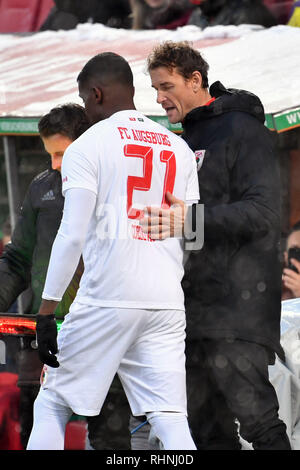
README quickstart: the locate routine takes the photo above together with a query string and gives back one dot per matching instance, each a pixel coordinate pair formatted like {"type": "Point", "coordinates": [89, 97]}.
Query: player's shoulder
{"type": "Point", "coordinates": [41, 177]}
{"type": "Point", "coordinates": [45, 181]}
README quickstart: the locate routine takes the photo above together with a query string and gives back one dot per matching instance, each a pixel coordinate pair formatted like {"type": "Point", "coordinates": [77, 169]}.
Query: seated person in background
{"type": "Point", "coordinates": [160, 14]}
{"type": "Point", "coordinates": [6, 231]}
{"type": "Point", "coordinates": [232, 12]}
{"type": "Point", "coordinates": [67, 14]}
{"type": "Point", "coordinates": [6, 238]}
{"type": "Point", "coordinates": [291, 272]}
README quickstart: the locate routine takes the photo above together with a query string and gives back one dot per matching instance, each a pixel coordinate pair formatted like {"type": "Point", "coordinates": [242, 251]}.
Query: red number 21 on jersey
{"type": "Point", "coordinates": [143, 183]}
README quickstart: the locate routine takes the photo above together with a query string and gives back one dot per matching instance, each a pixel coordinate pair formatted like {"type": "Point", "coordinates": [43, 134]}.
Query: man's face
{"type": "Point", "coordinates": [88, 96]}
{"type": "Point", "coordinates": [56, 146]}
{"type": "Point", "coordinates": [174, 93]}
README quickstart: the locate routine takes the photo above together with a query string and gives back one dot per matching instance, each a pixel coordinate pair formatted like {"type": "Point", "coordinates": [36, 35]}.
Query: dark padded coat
{"type": "Point", "coordinates": [24, 261]}
{"type": "Point", "coordinates": [233, 285]}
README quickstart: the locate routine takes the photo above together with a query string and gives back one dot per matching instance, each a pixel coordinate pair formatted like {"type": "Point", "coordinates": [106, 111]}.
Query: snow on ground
{"type": "Point", "coordinates": [264, 61]}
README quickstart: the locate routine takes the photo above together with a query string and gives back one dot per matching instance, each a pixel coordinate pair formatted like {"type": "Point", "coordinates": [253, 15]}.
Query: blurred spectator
{"type": "Point", "coordinates": [294, 19]}
{"type": "Point", "coordinates": [11, 345]}
{"type": "Point", "coordinates": [68, 13]}
{"type": "Point", "coordinates": [6, 231]}
{"type": "Point", "coordinates": [291, 272]}
{"type": "Point", "coordinates": [163, 14]}
{"type": "Point", "coordinates": [6, 238]}
{"type": "Point", "coordinates": [232, 12]}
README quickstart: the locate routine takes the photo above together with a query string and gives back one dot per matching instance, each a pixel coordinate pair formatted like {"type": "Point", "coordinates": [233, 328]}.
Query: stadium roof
{"type": "Point", "coordinates": [38, 71]}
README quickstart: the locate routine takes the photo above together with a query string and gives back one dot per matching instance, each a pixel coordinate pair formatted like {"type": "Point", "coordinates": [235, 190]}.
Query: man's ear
{"type": "Point", "coordinates": [196, 80]}
{"type": "Point", "coordinates": [98, 94]}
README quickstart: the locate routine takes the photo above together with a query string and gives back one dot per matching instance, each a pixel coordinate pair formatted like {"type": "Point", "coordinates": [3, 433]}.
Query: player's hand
{"type": "Point", "coordinates": [162, 223]}
{"type": "Point", "coordinates": [46, 337]}
{"type": "Point", "coordinates": [291, 279]}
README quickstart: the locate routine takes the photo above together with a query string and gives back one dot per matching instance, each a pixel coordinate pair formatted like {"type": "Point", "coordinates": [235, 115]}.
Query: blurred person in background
{"type": "Point", "coordinates": [163, 14]}
{"type": "Point", "coordinates": [6, 238]}
{"type": "Point", "coordinates": [11, 360]}
{"type": "Point", "coordinates": [291, 271]}
{"type": "Point", "coordinates": [67, 14]}
{"type": "Point", "coordinates": [232, 12]}
{"type": "Point", "coordinates": [6, 232]}
{"type": "Point", "coordinates": [294, 17]}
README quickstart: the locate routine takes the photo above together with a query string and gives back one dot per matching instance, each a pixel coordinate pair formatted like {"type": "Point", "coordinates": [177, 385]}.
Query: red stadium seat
{"type": "Point", "coordinates": [18, 16]}
{"type": "Point", "coordinates": [44, 10]}
{"type": "Point", "coordinates": [75, 437]}
{"type": "Point", "coordinates": [9, 412]}
{"type": "Point", "coordinates": [280, 9]}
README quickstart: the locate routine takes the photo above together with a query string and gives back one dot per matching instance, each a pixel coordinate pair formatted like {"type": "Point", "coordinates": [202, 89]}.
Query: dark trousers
{"type": "Point", "coordinates": [110, 429]}
{"type": "Point", "coordinates": [228, 381]}
{"type": "Point", "coordinates": [28, 394]}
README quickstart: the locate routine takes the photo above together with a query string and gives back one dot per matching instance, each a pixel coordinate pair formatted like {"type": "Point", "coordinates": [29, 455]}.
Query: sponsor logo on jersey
{"type": "Point", "coordinates": [65, 179]}
{"type": "Point", "coordinates": [199, 154]}
{"type": "Point", "coordinates": [49, 196]}
{"type": "Point", "coordinates": [44, 375]}
{"type": "Point", "coordinates": [132, 119]}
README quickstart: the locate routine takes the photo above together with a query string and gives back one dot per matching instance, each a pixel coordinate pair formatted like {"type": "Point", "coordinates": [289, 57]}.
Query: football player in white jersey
{"type": "Point", "coordinates": [128, 315]}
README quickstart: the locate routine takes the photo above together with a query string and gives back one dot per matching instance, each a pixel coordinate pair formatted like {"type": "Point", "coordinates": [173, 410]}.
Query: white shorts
{"type": "Point", "coordinates": [145, 347]}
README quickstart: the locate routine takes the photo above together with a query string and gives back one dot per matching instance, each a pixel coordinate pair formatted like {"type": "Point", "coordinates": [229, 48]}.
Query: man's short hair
{"type": "Point", "coordinates": [180, 55]}
{"type": "Point", "coordinates": [69, 120]}
{"type": "Point", "coordinates": [294, 228]}
{"type": "Point", "coordinates": [107, 68]}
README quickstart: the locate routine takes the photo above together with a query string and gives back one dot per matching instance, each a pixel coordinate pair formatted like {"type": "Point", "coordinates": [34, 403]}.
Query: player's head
{"type": "Point", "coordinates": [59, 128]}
{"type": "Point", "coordinates": [106, 86]}
{"type": "Point", "coordinates": [179, 75]}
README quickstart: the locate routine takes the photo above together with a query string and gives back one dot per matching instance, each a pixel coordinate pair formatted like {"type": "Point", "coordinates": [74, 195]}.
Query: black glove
{"type": "Point", "coordinates": [46, 334]}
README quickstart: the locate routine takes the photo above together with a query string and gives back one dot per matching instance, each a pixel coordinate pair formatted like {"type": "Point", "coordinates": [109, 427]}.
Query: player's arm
{"type": "Point", "coordinates": [16, 260]}
{"type": "Point", "coordinates": [65, 255]}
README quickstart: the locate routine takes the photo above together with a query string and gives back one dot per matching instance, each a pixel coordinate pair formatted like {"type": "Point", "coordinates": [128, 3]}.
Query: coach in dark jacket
{"type": "Point", "coordinates": [233, 285]}
{"type": "Point", "coordinates": [235, 280]}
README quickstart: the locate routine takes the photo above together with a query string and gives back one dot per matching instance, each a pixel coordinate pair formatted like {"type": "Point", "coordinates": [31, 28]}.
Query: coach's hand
{"type": "Point", "coordinates": [46, 336]}
{"type": "Point", "coordinates": [162, 223]}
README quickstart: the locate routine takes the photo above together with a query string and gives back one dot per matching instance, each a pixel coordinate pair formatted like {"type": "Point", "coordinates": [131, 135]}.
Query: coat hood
{"type": "Point", "coordinates": [228, 99]}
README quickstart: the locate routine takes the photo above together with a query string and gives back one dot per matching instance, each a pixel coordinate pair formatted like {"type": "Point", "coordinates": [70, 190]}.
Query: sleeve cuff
{"type": "Point", "coordinates": [49, 297]}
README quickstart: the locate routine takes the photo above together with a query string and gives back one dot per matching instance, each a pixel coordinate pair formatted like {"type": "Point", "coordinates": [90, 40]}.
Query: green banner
{"type": "Point", "coordinates": [287, 120]}
{"type": "Point", "coordinates": [164, 121]}
{"type": "Point", "coordinates": [19, 126]}
{"type": "Point", "coordinates": [29, 126]}
{"type": "Point", "coordinates": [269, 122]}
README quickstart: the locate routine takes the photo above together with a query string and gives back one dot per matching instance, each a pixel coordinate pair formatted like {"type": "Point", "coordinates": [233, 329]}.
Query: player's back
{"type": "Point", "coordinates": [132, 162]}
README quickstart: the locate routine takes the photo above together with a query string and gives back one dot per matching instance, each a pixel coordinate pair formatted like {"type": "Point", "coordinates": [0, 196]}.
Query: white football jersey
{"type": "Point", "coordinates": [129, 162]}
